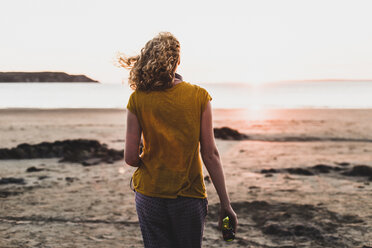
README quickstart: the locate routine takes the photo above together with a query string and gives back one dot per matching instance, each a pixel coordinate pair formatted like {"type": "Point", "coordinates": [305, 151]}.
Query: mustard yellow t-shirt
{"type": "Point", "coordinates": [170, 121]}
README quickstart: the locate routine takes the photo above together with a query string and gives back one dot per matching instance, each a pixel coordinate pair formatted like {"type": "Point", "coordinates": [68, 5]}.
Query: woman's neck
{"type": "Point", "coordinates": [176, 75]}
{"type": "Point", "coordinates": [177, 79]}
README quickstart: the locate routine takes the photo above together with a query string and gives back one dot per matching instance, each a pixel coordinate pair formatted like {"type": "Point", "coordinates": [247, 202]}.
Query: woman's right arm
{"type": "Point", "coordinates": [212, 161]}
{"type": "Point", "coordinates": [132, 140]}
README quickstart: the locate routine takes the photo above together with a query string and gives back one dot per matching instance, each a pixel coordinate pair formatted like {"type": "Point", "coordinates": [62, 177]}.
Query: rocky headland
{"type": "Point", "coordinates": [47, 77]}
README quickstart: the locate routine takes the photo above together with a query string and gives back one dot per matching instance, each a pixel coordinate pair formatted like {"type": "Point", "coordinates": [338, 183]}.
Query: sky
{"type": "Point", "coordinates": [221, 41]}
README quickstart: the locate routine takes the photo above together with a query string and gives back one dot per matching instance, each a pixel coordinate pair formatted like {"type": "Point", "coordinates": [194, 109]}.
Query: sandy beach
{"type": "Point", "coordinates": [289, 204]}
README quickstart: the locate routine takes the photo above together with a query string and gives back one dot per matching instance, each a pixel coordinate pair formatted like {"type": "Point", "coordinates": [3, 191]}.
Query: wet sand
{"type": "Point", "coordinates": [70, 205]}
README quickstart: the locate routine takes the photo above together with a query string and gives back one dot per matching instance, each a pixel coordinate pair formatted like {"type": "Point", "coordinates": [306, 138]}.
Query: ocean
{"type": "Point", "coordinates": [281, 95]}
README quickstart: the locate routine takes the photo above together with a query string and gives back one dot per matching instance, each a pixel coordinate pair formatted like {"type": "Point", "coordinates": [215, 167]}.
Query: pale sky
{"type": "Point", "coordinates": [221, 41]}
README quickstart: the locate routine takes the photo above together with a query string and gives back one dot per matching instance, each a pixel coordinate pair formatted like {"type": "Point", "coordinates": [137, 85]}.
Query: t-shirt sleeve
{"type": "Point", "coordinates": [205, 98]}
{"type": "Point", "coordinates": [131, 106]}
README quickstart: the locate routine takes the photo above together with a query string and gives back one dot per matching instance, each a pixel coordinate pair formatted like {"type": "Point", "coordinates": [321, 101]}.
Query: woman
{"type": "Point", "coordinates": [174, 116]}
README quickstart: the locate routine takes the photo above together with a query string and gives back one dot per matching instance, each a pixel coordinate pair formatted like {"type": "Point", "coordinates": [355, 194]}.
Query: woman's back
{"type": "Point", "coordinates": [170, 121]}
{"type": "Point", "coordinates": [174, 119]}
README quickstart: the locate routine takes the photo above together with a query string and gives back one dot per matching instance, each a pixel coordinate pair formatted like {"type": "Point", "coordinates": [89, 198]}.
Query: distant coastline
{"type": "Point", "coordinates": [326, 80]}
{"type": "Point", "coordinates": [43, 77]}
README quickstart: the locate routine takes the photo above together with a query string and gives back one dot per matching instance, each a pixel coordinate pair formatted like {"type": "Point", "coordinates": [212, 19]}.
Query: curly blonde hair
{"type": "Point", "coordinates": [155, 67]}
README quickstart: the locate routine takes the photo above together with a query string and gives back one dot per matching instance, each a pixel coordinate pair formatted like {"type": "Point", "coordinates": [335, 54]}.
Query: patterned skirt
{"type": "Point", "coordinates": [176, 223]}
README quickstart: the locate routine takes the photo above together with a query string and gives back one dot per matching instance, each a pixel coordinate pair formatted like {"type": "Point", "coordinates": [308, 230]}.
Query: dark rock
{"type": "Point", "coordinates": [269, 171]}
{"type": "Point", "coordinates": [13, 180]}
{"type": "Point", "coordinates": [253, 187]}
{"type": "Point", "coordinates": [19, 153]}
{"type": "Point", "coordinates": [42, 177]}
{"type": "Point", "coordinates": [227, 133]}
{"type": "Point", "coordinates": [5, 193]}
{"type": "Point", "coordinates": [360, 171]}
{"type": "Point", "coordinates": [75, 151]}
{"type": "Point", "coordinates": [268, 175]}
{"type": "Point", "coordinates": [34, 169]}
{"type": "Point", "coordinates": [308, 231]}
{"type": "Point", "coordinates": [349, 219]}
{"type": "Point", "coordinates": [76, 156]}
{"type": "Point", "coordinates": [343, 164]}
{"type": "Point", "coordinates": [71, 179]}
{"type": "Point", "coordinates": [299, 171]}
{"type": "Point", "coordinates": [322, 168]}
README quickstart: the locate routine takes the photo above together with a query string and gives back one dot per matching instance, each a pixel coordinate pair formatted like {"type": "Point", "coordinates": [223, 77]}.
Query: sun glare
{"type": "Point", "coordinates": [255, 111]}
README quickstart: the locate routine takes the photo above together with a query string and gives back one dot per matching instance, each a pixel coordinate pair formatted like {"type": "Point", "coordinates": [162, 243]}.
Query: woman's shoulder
{"type": "Point", "coordinates": [195, 87]}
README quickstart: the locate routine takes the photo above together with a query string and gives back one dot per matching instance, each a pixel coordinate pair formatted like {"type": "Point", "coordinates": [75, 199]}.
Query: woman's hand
{"type": "Point", "coordinates": [228, 211]}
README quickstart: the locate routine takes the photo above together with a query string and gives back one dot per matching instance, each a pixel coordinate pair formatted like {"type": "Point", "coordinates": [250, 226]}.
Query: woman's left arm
{"type": "Point", "coordinates": [132, 140]}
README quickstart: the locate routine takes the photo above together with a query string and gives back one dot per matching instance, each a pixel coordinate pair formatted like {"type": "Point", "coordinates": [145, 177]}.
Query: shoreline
{"type": "Point", "coordinates": [219, 109]}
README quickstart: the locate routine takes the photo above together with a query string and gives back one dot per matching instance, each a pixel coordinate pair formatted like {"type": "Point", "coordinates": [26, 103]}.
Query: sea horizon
{"type": "Point", "coordinates": [280, 95]}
